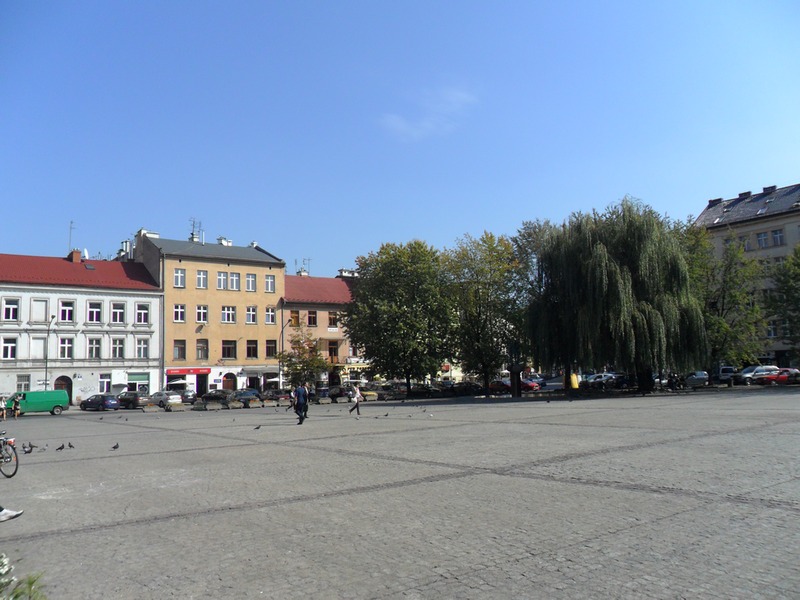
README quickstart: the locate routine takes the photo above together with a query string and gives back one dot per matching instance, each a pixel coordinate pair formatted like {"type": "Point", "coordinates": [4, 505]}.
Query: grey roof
{"type": "Point", "coordinates": [770, 202]}
{"type": "Point", "coordinates": [216, 251]}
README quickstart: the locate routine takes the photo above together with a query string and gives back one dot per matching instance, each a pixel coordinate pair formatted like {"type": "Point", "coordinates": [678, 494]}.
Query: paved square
{"type": "Point", "coordinates": [671, 496]}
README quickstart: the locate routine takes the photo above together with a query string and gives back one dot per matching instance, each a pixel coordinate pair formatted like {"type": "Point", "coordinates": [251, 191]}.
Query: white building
{"type": "Point", "coordinates": [86, 326]}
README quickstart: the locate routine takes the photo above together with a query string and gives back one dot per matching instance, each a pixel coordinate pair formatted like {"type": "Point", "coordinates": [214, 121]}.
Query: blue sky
{"type": "Point", "coordinates": [324, 129]}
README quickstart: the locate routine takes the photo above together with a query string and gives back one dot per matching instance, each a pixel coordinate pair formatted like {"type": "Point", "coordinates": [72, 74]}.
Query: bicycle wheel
{"type": "Point", "coordinates": [8, 460]}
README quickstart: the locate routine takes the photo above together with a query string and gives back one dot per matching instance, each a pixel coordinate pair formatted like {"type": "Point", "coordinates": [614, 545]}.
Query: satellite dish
{"type": "Point", "coordinates": [85, 254]}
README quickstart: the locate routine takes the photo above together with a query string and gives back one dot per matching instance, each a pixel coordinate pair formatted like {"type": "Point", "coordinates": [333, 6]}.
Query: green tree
{"type": "Point", "coordinates": [784, 301]}
{"type": "Point", "coordinates": [727, 288]}
{"type": "Point", "coordinates": [303, 361]}
{"type": "Point", "coordinates": [481, 286]}
{"type": "Point", "coordinates": [615, 290]}
{"type": "Point", "coordinates": [400, 312]}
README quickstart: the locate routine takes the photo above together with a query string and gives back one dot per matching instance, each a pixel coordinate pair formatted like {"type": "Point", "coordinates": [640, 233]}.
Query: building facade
{"type": "Point", "coordinates": [767, 224]}
{"type": "Point", "coordinates": [85, 326]}
{"type": "Point", "coordinates": [220, 312]}
{"type": "Point", "coordinates": [316, 304]}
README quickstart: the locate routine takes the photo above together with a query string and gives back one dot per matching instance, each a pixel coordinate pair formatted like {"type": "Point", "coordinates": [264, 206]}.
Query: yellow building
{"type": "Point", "coordinates": [221, 310]}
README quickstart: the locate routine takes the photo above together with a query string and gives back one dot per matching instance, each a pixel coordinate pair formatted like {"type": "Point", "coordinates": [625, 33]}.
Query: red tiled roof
{"type": "Point", "coordinates": [316, 290]}
{"type": "Point", "coordinates": [47, 270]}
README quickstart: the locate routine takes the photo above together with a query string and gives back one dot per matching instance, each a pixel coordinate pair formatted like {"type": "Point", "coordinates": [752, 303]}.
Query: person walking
{"type": "Point", "coordinates": [16, 406]}
{"type": "Point", "coordinates": [8, 514]}
{"type": "Point", "coordinates": [291, 400]}
{"type": "Point", "coordinates": [357, 398]}
{"type": "Point", "coordinates": [301, 402]}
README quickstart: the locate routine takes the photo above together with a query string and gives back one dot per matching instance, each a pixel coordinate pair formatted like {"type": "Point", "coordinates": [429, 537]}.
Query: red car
{"type": "Point", "coordinates": [528, 385]}
{"type": "Point", "coordinates": [500, 386]}
{"type": "Point", "coordinates": [766, 375]}
{"type": "Point", "coordinates": [786, 376]}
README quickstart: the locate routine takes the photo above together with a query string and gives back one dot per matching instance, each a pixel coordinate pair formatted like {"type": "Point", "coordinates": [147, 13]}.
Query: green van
{"type": "Point", "coordinates": [52, 401]}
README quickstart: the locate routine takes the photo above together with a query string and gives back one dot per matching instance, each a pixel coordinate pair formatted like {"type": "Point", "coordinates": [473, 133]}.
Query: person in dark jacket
{"type": "Point", "coordinates": [301, 402]}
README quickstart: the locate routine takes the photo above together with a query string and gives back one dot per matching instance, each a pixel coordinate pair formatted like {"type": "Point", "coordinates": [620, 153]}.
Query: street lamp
{"type": "Point", "coordinates": [47, 351]}
{"type": "Point", "coordinates": [280, 361]}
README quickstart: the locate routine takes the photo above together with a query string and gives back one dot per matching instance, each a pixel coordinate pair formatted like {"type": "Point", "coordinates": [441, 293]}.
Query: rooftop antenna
{"type": "Point", "coordinates": [307, 265]}
{"type": "Point", "coordinates": [71, 227]}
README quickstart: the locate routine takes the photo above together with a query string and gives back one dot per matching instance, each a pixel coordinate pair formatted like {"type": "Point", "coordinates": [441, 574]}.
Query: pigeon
{"type": "Point", "coordinates": [60, 448]}
{"type": "Point", "coordinates": [70, 446]}
{"type": "Point", "coordinates": [26, 449]}
{"type": "Point", "coordinates": [257, 427]}
{"type": "Point", "coordinates": [32, 445]}
{"type": "Point", "coordinates": [115, 446]}
{"type": "Point", "coordinates": [101, 418]}
{"type": "Point", "coordinates": [386, 415]}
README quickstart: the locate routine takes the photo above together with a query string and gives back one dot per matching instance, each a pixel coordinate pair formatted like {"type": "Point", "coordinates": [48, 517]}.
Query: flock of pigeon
{"type": "Point", "coordinates": [27, 449]}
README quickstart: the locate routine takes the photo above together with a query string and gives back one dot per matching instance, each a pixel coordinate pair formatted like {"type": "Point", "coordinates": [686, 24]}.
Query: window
{"type": "Point", "coordinates": [9, 348]}
{"type": "Point", "coordinates": [250, 282]}
{"type": "Point", "coordinates": [777, 237]}
{"type": "Point", "coordinates": [202, 313]}
{"type": "Point", "coordinates": [772, 329]}
{"type": "Point", "coordinates": [251, 316]}
{"type": "Point", "coordinates": [10, 310]}
{"type": "Point", "coordinates": [95, 312]}
{"type": "Point", "coordinates": [228, 349]}
{"type": "Point", "coordinates": [66, 348]}
{"type": "Point", "coordinates": [179, 313]}
{"type": "Point", "coordinates": [252, 348]}
{"type": "Point", "coordinates": [104, 384]}
{"type": "Point", "coordinates": [333, 348]}
{"type": "Point", "coordinates": [762, 240]}
{"type": "Point", "coordinates": [66, 311]}
{"type": "Point", "coordinates": [118, 313]}
{"type": "Point", "coordinates": [269, 317]}
{"type": "Point", "coordinates": [271, 349]}
{"type": "Point", "coordinates": [23, 383]}
{"type": "Point", "coordinates": [118, 348]}
{"type": "Point", "coordinates": [202, 349]}
{"type": "Point", "coordinates": [333, 320]}
{"type": "Point", "coordinates": [94, 347]}
{"type": "Point", "coordinates": [202, 280]}
{"type": "Point", "coordinates": [311, 319]}
{"type": "Point", "coordinates": [143, 314]}
{"type": "Point", "coordinates": [269, 284]}
{"type": "Point", "coordinates": [222, 280]}
{"type": "Point", "coordinates": [295, 317]}
{"type": "Point", "coordinates": [142, 348]}
{"type": "Point", "coordinates": [745, 242]}
{"type": "Point", "coordinates": [234, 282]}
{"type": "Point", "coordinates": [179, 279]}
{"type": "Point", "coordinates": [229, 314]}
{"type": "Point", "coordinates": [179, 350]}
{"type": "Point", "coordinates": [786, 330]}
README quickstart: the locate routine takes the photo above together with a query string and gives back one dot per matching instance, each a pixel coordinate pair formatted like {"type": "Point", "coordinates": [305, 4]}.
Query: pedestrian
{"type": "Point", "coordinates": [16, 406]}
{"type": "Point", "coordinates": [357, 398]}
{"type": "Point", "coordinates": [7, 514]}
{"type": "Point", "coordinates": [3, 409]}
{"type": "Point", "coordinates": [291, 399]}
{"type": "Point", "coordinates": [300, 402]}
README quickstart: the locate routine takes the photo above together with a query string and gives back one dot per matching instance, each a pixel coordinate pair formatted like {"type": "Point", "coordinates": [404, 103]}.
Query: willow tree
{"type": "Point", "coordinates": [400, 313]}
{"type": "Point", "coordinates": [615, 290]}
{"type": "Point", "coordinates": [480, 272]}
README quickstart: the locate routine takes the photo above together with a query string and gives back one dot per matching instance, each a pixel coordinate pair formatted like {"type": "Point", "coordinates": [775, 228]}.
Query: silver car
{"type": "Point", "coordinates": [696, 379]}
{"type": "Point", "coordinates": [165, 398]}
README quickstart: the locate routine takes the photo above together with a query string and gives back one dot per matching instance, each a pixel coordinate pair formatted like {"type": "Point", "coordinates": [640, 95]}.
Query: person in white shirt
{"type": "Point", "coordinates": [357, 398]}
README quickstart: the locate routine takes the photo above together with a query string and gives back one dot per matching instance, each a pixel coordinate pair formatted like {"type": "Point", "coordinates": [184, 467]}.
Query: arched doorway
{"type": "Point", "coordinates": [64, 383]}
{"type": "Point", "coordinates": [229, 381]}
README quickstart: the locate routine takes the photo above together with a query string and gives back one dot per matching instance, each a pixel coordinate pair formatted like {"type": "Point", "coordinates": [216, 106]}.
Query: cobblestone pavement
{"type": "Point", "coordinates": [672, 496]}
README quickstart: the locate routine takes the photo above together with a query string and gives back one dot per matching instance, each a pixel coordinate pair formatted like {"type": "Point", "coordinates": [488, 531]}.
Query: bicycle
{"type": "Point", "coordinates": [8, 455]}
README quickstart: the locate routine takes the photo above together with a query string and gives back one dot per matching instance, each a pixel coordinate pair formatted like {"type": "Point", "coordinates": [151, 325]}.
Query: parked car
{"type": "Point", "coordinates": [537, 377]}
{"type": "Point", "coordinates": [188, 396]}
{"type": "Point", "coordinates": [766, 375]}
{"type": "Point", "coordinates": [530, 385]}
{"type": "Point", "coordinates": [599, 381]}
{"type": "Point", "coordinates": [724, 374]}
{"type": "Point", "coordinates": [165, 397]}
{"type": "Point", "coordinates": [132, 399]}
{"type": "Point", "coordinates": [221, 396]}
{"type": "Point", "coordinates": [745, 376]}
{"type": "Point", "coordinates": [421, 390]}
{"type": "Point", "coordinates": [246, 396]}
{"type": "Point", "coordinates": [788, 376]}
{"type": "Point", "coordinates": [500, 386]}
{"type": "Point", "coordinates": [695, 379]}
{"type": "Point", "coordinates": [100, 402]}
{"type": "Point", "coordinates": [467, 388]}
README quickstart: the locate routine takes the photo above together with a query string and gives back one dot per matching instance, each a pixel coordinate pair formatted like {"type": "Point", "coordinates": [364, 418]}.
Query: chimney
{"type": "Point", "coordinates": [745, 195]}
{"type": "Point", "coordinates": [223, 241]}
{"type": "Point", "coordinates": [74, 256]}
{"type": "Point", "coordinates": [770, 189]}
{"type": "Point", "coordinates": [714, 202]}
{"type": "Point", "coordinates": [302, 273]}
{"type": "Point", "coordinates": [254, 244]}
{"type": "Point", "coordinates": [193, 237]}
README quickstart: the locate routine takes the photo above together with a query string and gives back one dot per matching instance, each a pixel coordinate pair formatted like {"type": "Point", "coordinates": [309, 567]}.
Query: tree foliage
{"type": "Point", "coordinates": [785, 300]}
{"type": "Point", "coordinates": [481, 288]}
{"type": "Point", "coordinates": [400, 312]}
{"type": "Point", "coordinates": [727, 288]}
{"type": "Point", "coordinates": [303, 361]}
{"type": "Point", "coordinates": [615, 290]}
